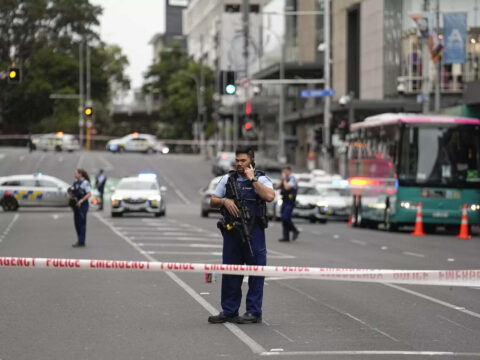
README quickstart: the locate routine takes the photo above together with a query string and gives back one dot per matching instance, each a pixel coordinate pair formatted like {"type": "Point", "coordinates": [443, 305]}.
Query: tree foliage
{"type": "Point", "coordinates": [176, 77]}
{"type": "Point", "coordinates": [43, 37]}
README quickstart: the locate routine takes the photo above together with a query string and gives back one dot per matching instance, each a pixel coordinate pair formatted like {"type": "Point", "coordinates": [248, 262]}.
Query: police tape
{"type": "Point", "coordinates": [411, 277]}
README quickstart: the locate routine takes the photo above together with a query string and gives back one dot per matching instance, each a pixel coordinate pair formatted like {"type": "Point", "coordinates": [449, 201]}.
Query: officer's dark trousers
{"type": "Point", "coordinates": [101, 190]}
{"type": "Point", "coordinates": [235, 253]}
{"type": "Point", "coordinates": [286, 212]}
{"type": "Point", "coordinates": [80, 219]}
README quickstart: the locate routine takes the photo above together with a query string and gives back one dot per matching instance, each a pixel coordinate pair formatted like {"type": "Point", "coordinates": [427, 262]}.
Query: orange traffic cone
{"type": "Point", "coordinates": [419, 222]}
{"type": "Point", "coordinates": [350, 222]}
{"type": "Point", "coordinates": [464, 225]}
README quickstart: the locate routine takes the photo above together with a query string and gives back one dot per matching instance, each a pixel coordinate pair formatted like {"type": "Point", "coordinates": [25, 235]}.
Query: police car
{"type": "Point", "coordinates": [139, 194]}
{"type": "Point", "coordinates": [32, 190]}
{"type": "Point", "coordinates": [136, 142]}
{"type": "Point", "coordinates": [56, 141]}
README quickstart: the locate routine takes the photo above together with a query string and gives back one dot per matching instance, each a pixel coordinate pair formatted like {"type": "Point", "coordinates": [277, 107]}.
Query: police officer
{"type": "Point", "coordinates": [100, 181]}
{"type": "Point", "coordinates": [80, 192]}
{"type": "Point", "coordinates": [255, 189]}
{"type": "Point", "coordinates": [288, 191]}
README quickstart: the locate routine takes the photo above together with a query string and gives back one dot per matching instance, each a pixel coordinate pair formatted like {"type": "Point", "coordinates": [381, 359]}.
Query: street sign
{"type": "Point", "coordinates": [89, 123]}
{"type": "Point", "coordinates": [316, 93]}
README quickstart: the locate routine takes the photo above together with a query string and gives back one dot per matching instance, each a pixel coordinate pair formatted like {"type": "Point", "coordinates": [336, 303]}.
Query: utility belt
{"type": "Point", "coordinates": [289, 197]}
{"type": "Point", "coordinates": [227, 224]}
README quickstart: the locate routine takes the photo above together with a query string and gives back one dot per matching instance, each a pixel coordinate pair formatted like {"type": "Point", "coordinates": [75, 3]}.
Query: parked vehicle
{"type": "Point", "coordinates": [223, 163]}
{"type": "Point", "coordinates": [139, 194]}
{"type": "Point", "coordinates": [308, 197]}
{"type": "Point", "coordinates": [32, 190]}
{"type": "Point", "coordinates": [136, 142]}
{"type": "Point", "coordinates": [206, 193]}
{"type": "Point", "coordinates": [56, 142]}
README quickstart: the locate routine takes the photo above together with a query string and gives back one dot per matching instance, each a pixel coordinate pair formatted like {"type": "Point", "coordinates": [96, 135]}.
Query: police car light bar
{"type": "Point", "coordinates": [147, 175]}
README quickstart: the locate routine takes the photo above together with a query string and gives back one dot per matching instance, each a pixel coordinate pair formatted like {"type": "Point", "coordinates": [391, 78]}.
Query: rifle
{"type": "Point", "coordinates": [241, 221]}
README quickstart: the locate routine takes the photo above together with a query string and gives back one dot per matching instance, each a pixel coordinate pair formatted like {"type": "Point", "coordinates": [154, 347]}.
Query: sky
{"type": "Point", "coordinates": [131, 24]}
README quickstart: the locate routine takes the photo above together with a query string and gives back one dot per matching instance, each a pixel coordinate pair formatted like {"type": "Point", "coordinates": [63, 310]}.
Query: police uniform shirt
{"type": "Point", "coordinates": [292, 181]}
{"type": "Point", "coordinates": [100, 178]}
{"type": "Point", "coordinates": [85, 185]}
{"type": "Point", "coordinates": [221, 188]}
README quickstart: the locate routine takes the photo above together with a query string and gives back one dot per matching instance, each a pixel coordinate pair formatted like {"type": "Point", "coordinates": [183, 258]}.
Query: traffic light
{"type": "Point", "coordinates": [88, 111]}
{"type": "Point", "coordinates": [14, 75]}
{"type": "Point", "coordinates": [248, 125]}
{"type": "Point", "coordinates": [343, 129]}
{"type": "Point", "coordinates": [228, 83]}
{"type": "Point", "coordinates": [248, 108]}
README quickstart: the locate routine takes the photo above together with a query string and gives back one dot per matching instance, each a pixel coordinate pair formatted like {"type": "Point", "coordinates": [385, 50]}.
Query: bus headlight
{"type": "Point", "coordinates": [475, 207]}
{"type": "Point", "coordinates": [408, 205]}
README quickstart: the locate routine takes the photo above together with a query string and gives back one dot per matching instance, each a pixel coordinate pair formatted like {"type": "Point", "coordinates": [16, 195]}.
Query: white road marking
{"type": "Point", "coordinates": [204, 293]}
{"type": "Point", "coordinates": [283, 335]}
{"type": "Point", "coordinates": [177, 191]}
{"type": "Point", "coordinates": [158, 239]}
{"type": "Point", "coordinates": [344, 313]}
{"type": "Point", "coordinates": [370, 352]}
{"type": "Point", "coordinates": [21, 158]}
{"type": "Point", "coordinates": [450, 260]}
{"type": "Point", "coordinates": [457, 324]}
{"type": "Point", "coordinates": [413, 254]}
{"type": "Point", "coordinates": [255, 347]}
{"type": "Point", "coordinates": [107, 164]}
{"type": "Point", "coordinates": [384, 248]}
{"type": "Point", "coordinates": [279, 255]}
{"type": "Point", "coordinates": [336, 236]}
{"type": "Point", "coordinates": [2, 156]}
{"type": "Point", "coordinates": [201, 253]}
{"type": "Point", "coordinates": [358, 242]}
{"type": "Point", "coordinates": [80, 161]}
{"type": "Point", "coordinates": [9, 227]}
{"type": "Point", "coordinates": [434, 300]}
{"type": "Point", "coordinates": [60, 158]}
{"type": "Point", "coordinates": [55, 216]}
{"type": "Point", "coordinates": [210, 246]}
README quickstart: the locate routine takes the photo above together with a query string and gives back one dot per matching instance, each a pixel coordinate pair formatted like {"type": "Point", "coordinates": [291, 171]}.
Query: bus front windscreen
{"type": "Point", "coordinates": [443, 156]}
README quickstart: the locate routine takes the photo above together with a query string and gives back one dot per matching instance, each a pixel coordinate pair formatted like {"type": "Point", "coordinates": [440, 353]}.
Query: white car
{"type": "Point", "coordinates": [32, 190]}
{"type": "Point", "coordinates": [335, 203]}
{"type": "Point", "coordinates": [304, 178]}
{"type": "Point", "coordinates": [56, 141]}
{"type": "Point", "coordinates": [136, 142]}
{"type": "Point", "coordinates": [308, 196]}
{"type": "Point", "coordinates": [206, 193]}
{"type": "Point", "coordinates": [139, 194]}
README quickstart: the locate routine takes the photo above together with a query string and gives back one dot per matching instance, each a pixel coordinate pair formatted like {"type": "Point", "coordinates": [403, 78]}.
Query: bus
{"type": "Point", "coordinates": [398, 161]}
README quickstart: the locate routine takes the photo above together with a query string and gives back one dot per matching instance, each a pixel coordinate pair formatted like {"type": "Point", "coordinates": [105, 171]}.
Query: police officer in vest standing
{"type": "Point", "coordinates": [289, 189]}
{"type": "Point", "coordinates": [80, 192]}
{"type": "Point", "coordinates": [100, 181]}
{"type": "Point", "coordinates": [255, 189]}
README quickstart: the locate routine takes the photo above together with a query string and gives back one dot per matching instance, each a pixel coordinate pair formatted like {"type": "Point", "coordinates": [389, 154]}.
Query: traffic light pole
{"type": "Point", "coordinates": [327, 99]}
{"type": "Point", "coordinates": [281, 100]}
{"type": "Point", "coordinates": [81, 105]}
{"type": "Point", "coordinates": [89, 100]}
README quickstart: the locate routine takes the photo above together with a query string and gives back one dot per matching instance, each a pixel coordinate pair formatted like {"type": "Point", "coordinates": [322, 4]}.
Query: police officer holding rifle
{"type": "Point", "coordinates": [241, 197]}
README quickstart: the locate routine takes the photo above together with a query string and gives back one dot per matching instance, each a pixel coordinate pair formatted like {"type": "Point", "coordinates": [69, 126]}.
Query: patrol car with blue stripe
{"type": "Point", "coordinates": [32, 190]}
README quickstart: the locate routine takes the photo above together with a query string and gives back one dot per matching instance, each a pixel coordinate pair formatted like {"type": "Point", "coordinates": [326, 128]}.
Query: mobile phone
{"type": "Point", "coordinates": [252, 164]}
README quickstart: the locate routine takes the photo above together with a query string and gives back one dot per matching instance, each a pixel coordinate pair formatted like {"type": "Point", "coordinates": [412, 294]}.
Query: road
{"type": "Point", "coordinates": [48, 314]}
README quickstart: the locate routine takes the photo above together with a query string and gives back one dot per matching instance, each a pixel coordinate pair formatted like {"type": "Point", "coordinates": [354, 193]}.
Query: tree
{"type": "Point", "coordinates": [43, 37]}
{"type": "Point", "coordinates": [173, 77]}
